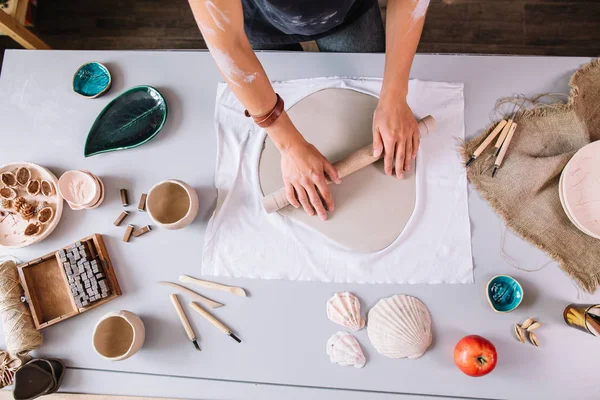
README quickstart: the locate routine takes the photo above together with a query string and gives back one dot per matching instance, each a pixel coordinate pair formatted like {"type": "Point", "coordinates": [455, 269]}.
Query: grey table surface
{"type": "Point", "coordinates": [282, 324]}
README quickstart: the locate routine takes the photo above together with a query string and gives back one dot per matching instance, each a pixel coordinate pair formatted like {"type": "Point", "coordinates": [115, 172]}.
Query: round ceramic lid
{"type": "Point", "coordinates": [581, 189]}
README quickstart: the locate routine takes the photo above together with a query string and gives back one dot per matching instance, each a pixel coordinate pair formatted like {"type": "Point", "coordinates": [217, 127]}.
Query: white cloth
{"type": "Point", "coordinates": [242, 240]}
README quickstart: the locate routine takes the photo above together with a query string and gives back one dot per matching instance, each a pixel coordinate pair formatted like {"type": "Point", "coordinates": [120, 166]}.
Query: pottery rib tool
{"type": "Point", "coordinates": [504, 148]}
{"type": "Point", "coordinates": [216, 323]}
{"type": "Point", "coordinates": [193, 295]}
{"type": "Point", "coordinates": [354, 162]}
{"type": "Point", "coordinates": [238, 291]}
{"type": "Point", "coordinates": [486, 142]}
{"type": "Point", "coordinates": [184, 321]}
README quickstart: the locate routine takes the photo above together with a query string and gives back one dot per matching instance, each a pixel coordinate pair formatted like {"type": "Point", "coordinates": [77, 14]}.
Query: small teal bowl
{"type": "Point", "coordinates": [91, 80]}
{"type": "Point", "coordinates": [504, 293]}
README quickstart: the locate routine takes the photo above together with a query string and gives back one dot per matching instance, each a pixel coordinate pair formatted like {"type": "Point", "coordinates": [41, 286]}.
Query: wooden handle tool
{"type": "Point", "coordinates": [502, 137]}
{"type": "Point", "coordinates": [486, 142]}
{"type": "Point", "coordinates": [238, 291]}
{"type": "Point", "coordinates": [215, 322]}
{"type": "Point", "coordinates": [504, 148]}
{"type": "Point", "coordinates": [193, 295]}
{"type": "Point", "coordinates": [349, 165]}
{"type": "Point", "coordinates": [184, 321]}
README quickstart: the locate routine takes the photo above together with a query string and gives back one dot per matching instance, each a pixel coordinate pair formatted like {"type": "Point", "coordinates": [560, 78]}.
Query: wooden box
{"type": "Point", "coordinates": [46, 286]}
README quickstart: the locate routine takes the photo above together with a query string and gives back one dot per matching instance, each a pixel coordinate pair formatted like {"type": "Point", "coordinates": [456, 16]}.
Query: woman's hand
{"type": "Point", "coordinates": [304, 168]}
{"type": "Point", "coordinates": [396, 134]}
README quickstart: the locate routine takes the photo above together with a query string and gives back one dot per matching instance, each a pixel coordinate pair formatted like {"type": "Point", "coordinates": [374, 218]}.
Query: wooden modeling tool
{"type": "Point", "coordinates": [184, 321]}
{"type": "Point", "coordinates": [193, 295]}
{"type": "Point", "coordinates": [238, 291]}
{"type": "Point", "coordinates": [216, 323]}
{"type": "Point", "coordinates": [347, 166]}
{"type": "Point", "coordinates": [504, 148]}
{"type": "Point", "coordinates": [487, 142]}
{"type": "Point", "coordinates": [502, 137]}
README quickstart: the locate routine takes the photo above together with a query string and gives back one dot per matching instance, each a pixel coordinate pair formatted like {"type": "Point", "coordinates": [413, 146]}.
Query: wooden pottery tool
{"type": "Point", "coordinates": [193, 295]}
{"type": "Point", "coordinates": [504, 148]}
{"type": "Point", "coordinates": [216, 323]}
{"type": "Point", "coordinates": [487, 142]}
{"type": "Point", "coordinates": [347, 166]}
{"type": "Point", "coordinates": [238, 291]}
{"type": "Point", "coordinates": [184, 321]}
{"type": "Point", "coordinates": [502, 137]}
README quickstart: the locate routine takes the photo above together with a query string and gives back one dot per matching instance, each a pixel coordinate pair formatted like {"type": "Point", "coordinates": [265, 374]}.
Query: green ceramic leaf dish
{"type": "Point", "coordinates": [128, 121]}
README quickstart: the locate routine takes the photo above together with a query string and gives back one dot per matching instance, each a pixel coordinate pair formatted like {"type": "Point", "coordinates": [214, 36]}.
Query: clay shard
{"type": "Point", "coordinates": [33, 187]}
{"type": "Point", "coordinates": [400, 327]}
{"type": "Point", "coordinates": [9, 179]}
{"type": "Point", "coordinates": [23, 176]}
{"type": "Point", "coordinates": [343, 308]}
{"type": "Point", "coordinates": [344, 349]}
{"type": "Point", "coordinates": [47, 188]}
{"type": "Point", "coordinates": [32, 229]}
{"type": "Point", "coordinates": [45, 215]}
{"type": "Point", "coordinates": [8, 193]}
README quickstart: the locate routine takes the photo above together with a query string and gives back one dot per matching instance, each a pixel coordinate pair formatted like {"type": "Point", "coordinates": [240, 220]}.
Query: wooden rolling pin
{"type": "Point", "coordinates": [349, 165]}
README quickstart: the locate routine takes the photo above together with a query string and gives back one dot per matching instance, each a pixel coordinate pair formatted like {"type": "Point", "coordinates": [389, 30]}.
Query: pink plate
{"type": "Point", "coordinates": [12, 225]}
{"type": "Point", "coordinates": [581, 189]}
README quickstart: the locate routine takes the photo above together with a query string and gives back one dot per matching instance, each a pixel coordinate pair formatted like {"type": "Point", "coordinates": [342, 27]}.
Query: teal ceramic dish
{"type": "Point", "coordinates": [128, 121]}
{"type": "Point", "coordinates": [504, 293]}
{"type": "Point", "coordinates": [91, 80]}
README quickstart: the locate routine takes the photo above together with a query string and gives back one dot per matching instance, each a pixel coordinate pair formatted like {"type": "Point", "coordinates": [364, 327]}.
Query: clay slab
{"type": "Point", "coordinates": [371, 209]}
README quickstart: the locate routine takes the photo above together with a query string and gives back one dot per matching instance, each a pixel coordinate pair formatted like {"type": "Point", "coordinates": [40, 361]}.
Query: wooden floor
{"type": "Point", "coordinates": [535, 27]}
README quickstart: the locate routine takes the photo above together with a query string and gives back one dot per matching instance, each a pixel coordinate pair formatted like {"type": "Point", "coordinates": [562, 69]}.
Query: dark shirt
{"type": "Point", "coordinates": [294, 21]}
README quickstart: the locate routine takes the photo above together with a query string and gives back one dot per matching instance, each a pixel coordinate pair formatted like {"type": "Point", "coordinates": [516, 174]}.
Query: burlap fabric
{"type": "Point", "coordinates": [525, 190]}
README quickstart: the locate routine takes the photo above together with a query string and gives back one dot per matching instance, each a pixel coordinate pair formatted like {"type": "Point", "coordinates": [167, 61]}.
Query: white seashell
{"type": "Point", "coordinates": [344, 349]}
{"type": "Point", "coordinates": [344, 309]}
{"type": "Point", "coordinates": [400, 326]}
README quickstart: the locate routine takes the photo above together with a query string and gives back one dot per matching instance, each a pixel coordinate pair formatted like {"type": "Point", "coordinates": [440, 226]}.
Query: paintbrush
{"type": "Point", "coordinates": [216, 323]}
{"type": "Point", "coordinates": [486, 142]}
{"type": "Point", "coordinates": [504, 148]}
{"type": "Point", "coordinates": [184, 321]}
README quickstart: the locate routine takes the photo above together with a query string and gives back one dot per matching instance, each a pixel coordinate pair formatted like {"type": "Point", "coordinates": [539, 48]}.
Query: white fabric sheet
{"type": "Point", "coordinates": [435, 247]}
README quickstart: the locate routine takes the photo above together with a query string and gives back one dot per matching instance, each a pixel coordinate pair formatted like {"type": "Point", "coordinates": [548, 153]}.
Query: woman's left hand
{"type": "Point", "coordinates": [396, 134]}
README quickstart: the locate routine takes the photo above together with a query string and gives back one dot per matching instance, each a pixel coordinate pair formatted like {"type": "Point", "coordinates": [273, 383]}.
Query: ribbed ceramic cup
{"type": "Point", "coordinates": [118, 335]}
{"type": "Point", "coordinates": [172, 204]}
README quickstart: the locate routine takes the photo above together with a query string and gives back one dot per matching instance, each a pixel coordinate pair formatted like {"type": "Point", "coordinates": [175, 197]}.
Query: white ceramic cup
{"type": "Point", "coordinates": [118, 335]}
{"type": "Point", "coordinates": [172, 204]}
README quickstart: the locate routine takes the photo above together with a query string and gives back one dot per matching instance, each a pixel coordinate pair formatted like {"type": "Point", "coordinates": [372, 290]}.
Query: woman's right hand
{"type": "Point", "coordinates": [304, 168]}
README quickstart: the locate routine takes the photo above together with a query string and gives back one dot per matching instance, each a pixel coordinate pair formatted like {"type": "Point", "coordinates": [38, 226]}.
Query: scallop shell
{"type": "Point", "coordinates": [9, 179]}
{"type": "Point", "coordinates": [8, 193]}
{"type": "Point", "coordinates": [23, 176]}
{"type": "Point", "coordinates": [344, 349]}
{"type": "Point", "coordinates": [33, 187]}
{"type": "Point", "coordinates": [47, 188]}
{"type": "Point", "coordinates": [400, 326]}
{"type": "Point", "coordinates": [45, 215]}
{"type": "Point", "coordinates": [344, 309]}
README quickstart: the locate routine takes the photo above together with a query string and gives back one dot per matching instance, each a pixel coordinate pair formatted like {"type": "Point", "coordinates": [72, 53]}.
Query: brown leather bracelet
{"type": "Point", "coordinates": [268, 119]}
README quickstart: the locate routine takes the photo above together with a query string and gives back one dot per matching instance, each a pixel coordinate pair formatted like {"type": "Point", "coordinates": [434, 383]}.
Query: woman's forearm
{"type": "Point", "coordinates": [222, 25]}
{"type": "Point", "coordinates": [405, 19]}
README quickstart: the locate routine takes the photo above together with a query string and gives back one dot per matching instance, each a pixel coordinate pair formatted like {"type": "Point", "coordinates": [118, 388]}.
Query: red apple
{"type": "Point", "coordinates": [475, 355]}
